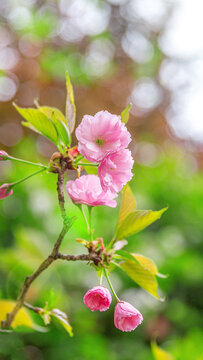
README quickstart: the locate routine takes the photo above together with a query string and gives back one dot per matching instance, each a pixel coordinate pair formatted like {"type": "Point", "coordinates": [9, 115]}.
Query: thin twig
{"type": "Point", "coordinates": [83, 257]}
{"type": "Point", "coordinates": [36, 309]}
{"type": "Point", "coordinates": [60, 185]}
{"type": "Point", "coordinates": [46, 263]}
{"type": "Point", "coordinates": [67, 222]}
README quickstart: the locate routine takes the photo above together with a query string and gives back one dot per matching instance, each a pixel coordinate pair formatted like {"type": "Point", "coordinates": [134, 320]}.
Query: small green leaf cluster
{"type": "Point", "coordinates": [50, 122]}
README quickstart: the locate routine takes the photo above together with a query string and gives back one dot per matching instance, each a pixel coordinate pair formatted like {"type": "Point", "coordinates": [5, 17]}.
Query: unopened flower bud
{"type": "Point", "coordinates": [126, 317]}
{"type": "Point", "coordinates": [5, 191]}
{"type": "Point", "coordinates": [3, 155]}
{"type": "Point", "coordinates": [97, 298]}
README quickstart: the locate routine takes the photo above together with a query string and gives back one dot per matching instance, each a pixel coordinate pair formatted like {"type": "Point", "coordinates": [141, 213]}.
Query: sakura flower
{"type": "Point", "coordinates": [87, 190]}
{"type": "Point", "coordinates": [97, 298]}
{"type": "Point", "coordinates": [5, 191]}
{"type": "Point", "coordinates": [3, 155]}
{"type": "Point", "coordinates": [126, 317]}
{"type": "Point", "coordinates": [115, 170]}
{"type": "Point", "coordinates": [100, 135]}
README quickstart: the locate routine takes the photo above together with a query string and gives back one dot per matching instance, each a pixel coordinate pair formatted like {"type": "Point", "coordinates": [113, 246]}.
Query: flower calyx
{"type": "Point", "coordinates": [65, 161]}
{"type": "Point", "coordinates": [96, 248]}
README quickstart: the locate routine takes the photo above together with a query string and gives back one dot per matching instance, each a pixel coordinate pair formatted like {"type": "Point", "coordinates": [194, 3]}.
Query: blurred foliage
{"type": "Point", "coordinates": [113, 51]}
{"type": "Point", "coordinates": [30, 223]}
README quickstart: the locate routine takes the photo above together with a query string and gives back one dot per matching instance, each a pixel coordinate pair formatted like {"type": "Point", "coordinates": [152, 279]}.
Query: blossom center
{"type": "Point", "coordinates": [100, 141]}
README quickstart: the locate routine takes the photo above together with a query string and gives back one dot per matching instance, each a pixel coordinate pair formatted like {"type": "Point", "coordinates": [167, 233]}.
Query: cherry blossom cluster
{"type": "Point", "coordinates": [126, 317]}
{"type": "Point", "coordinates": [103, 139]}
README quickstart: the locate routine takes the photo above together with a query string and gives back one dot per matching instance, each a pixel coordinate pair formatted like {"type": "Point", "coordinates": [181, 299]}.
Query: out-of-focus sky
{"type": "Point", "coordinates": [182, 41]}
{"type": "Point", "coordinates": [136, 27]}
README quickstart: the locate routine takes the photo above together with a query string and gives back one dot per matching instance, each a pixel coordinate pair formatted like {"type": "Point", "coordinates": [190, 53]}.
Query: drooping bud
{"type": "Point", "coordinates": [126, 317]}
{"type": "Point", "coordinates": [97, 299]}
{"type": "Point", "coordinates": [3, 155]}
{"type": "Point", "coordinates": [5, 191]}
{"type": "Point", "coordinates": [73, 151]}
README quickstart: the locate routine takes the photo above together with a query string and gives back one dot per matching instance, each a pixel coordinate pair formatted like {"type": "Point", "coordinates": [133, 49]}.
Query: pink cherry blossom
{"type": "Point", "coordinates": [3, 155]}
{"type": "Point", "coordinates": [87, 190]}
{"type": "Point", "coordinates": [126, 317]}
{"type": "Point", "coordinates": [5, 191]}
{"type": "Point", "coordinates": [100, 135]}
{"type": "Point", "coordinates": [97, 298]}
{"type": "Point", "coordinates": [115, 170]}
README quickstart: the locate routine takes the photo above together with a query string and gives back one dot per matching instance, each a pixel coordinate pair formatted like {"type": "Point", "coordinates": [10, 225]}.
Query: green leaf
{"type": "Point", "coordinates": [137, 221]}
{"type": "Point", "coordinates": [39, 122]}
{"type": "Point", "coordinates": [142, 276]}
{"type": "Point", "coordinates": [70, 105]}
{"type": "Point", "coordinates": [125, 114]}
{"type": "Point", "coordinates": [146, 263]}
{"type": "Point", "coordinates": [30, 126]}
{"type": "Point", "coordinates": [160, 354]}
{"type": "Point", "coordinates": [62, 319]}
{"type": "Point", "coordinates": [128, 204]}
{"type": "Point", "coordinates": [64, 137]}
{"type": "Point", "coordinates": [59, 120]}
{"type": "Point", "coordinates": [125, 255]}
{"type": "Point", "coordinates": [48, 111]}
{"type": "Point", "coordinates": [22, 318]}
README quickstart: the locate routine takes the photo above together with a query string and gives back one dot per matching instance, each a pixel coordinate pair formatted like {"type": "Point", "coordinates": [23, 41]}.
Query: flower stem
{"type": "Point", "coordinates": [111, 243]}
{"type": "Point", "coordinates": [27, 177]}
{"type": "Point", "coordinates": [78, 159]}
{"type": "Point", "coordinates": [88, 164]}
{"type": "Point", "coordinates": [110, 285]}
{"type": "Point", "coordinates": [90, 222]}
{"type": "Point", "coordinates": [26, 162]}
{"type": "Point", "coordinates": [85, 218]}
{"type": "Point", "coordinates": [101, 277]}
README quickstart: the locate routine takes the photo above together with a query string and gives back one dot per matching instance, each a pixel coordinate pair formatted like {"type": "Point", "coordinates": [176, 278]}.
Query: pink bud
{"type": "Point", "coordinates": [97, 298]}
{"type": "Point", "coordinates": [74, 151]}
{"type": "Point", "coordinates": [126, 317]}
{"type": "Point", "coordinates": [3, 155]}
{"type": "Point", "coordinates": [5, 190]}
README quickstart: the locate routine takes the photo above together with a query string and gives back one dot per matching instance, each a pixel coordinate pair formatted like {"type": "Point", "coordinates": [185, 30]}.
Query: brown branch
{"type": "Point", "coordinates": [47, 262]}
{"type": "Point", "coordinates": [83, 257]}
{"type": "Point", "coordinates": [29, 280]}
{"type": "Point", "coordinates": [36, 309]}
{"type": "Point", "coordinates": [60, 185]}
{"type": "Point", "coordinates": [44, 265]}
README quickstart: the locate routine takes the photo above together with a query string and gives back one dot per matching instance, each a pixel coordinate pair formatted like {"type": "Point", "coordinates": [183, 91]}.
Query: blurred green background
{"type": "Point", "coordinates": [116, 52]}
